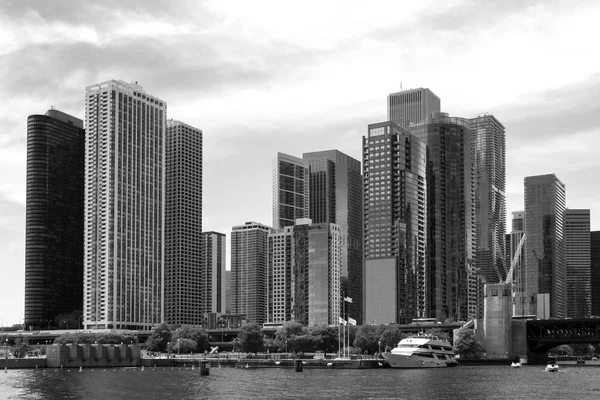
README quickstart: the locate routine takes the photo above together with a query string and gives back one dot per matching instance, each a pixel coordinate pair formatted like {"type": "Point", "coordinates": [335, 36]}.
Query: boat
{"type": "Point", "coordinates": [551, 366]}
{"type": "Point", "coordinates": [516, 365]}
{"type": "Point", "coordinates": [421, 351]}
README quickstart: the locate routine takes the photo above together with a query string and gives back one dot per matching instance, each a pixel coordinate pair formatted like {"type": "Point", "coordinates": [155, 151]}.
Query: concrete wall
{"type": "Point", "coordinates": [497, 320]}
{"type": "Point", "coordinates": [93, 355]}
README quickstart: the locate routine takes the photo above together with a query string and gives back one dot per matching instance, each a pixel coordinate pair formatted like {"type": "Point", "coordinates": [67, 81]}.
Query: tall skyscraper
{"type": "Point", "coordinates": [213, 284]}
{"type": "Point", "coordinates": [124, 206]}
{"type": "Point", "coordinates": [521, 305]}
{"type": "Point", "coordinates": [595, 271]}
{"type": "Point", "coordinates": [249, 263]}
{"type": "Point", "coordinates": [336, 197]}
{"type": "Point", "coordinates": [489, 146]}
{"type": "Point", "coordinates": [577, 246]}
{"type": "Point", "coordinates": [395, 225]}
{"type": "Point", "coordinates": [54, 218]}
{"type": "Point", "coordinates": [545, 266]}
{"type": "Point", "coordinates": [305, 261]}
{"type": "Point", "coordinates": [409, 107]}
{"type": "Point", "coordinates": [183, 224]}
{"type": "Point", "coordinates": [456, 290]}
{"type": "Point", "coordinates": [290, 190]}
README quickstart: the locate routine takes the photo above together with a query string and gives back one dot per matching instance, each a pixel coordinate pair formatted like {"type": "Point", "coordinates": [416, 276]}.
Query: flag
{"type": "Point", "coordinates": [348, 299]}
{"type": "Point", "coordinates": [351, 321]}
{"type": "Point", "coordinates": [342, 321]}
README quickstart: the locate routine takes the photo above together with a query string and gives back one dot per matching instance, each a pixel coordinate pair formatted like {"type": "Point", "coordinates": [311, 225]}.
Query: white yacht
{"type": "Point", "coordinates": [422, 351]}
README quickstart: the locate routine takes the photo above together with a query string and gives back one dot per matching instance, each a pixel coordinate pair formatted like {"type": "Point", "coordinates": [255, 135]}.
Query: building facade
{"type": "Point", "coordinates": [305, 262]}
{"type": "Point", "coordinates": [183, 224]}
{"type": "Point", "coordinates": [489, 147]}
{"type": "Point", "coordinates": [54, 218]}
{"type": "Point", "coordinates": [578, 254]}
{"type": "Point", "coordinates": [455, 289]}
{"type": "Point", "coordinates": [290, 190]}
{"type": "Point", "coordinates": [335, 182]}
{"type": "Point", "coordinates": [124, 207]}
{"type": "Point", "coordinates": [249, 263]}
{"type": "Point", "coordinates": [545, 263]}
{"type": "Point", "coordinates": [213, 286]}
{"type": "Point", "coordinates": [522, 303]}
{"type": "Point", "coordinates": [595, 271]}
{"type": "Point", "coordinates": [395, 225]}
{"type": "Point", "coordinates": [411, 106]}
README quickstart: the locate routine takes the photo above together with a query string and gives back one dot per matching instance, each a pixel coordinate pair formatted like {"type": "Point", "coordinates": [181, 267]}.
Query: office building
{"type": "Point", "coordinates": [124, 207]}
{"type": "Point", "coordinates": [336, 197]}
{"type": "Point", "coordinates": [521, 304]}
{"type": "Point", "coordinates": [578, 253]}
{"type": "Point", "coordinates": [54, 218]}
{"type": "Point", "coordinates": [305, 261]}
{"type": "Point", "coordinates": [595, 271]}
{"type": "Point", "coordinates": [489, 147]}
{"type": "Point", "coordinates": [455, 288]}
{"type": "Point", "coordinates": [249, 263]}
{"type": "Point", "coordinates": [395, 225]}
{"type": "Point", "coordinates": [411, 106]}
{"type": "Point", "coordinates": [213, 285]}
{"type": "Point", "coordinates": [290, 190]}
{"type": "Point", "coordinates": [545, 264]}
{"type": "Point", "coordinates": [183, 224]}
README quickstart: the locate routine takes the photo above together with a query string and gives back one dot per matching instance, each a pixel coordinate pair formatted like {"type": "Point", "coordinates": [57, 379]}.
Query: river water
{"type": "Point", "coordinates": [463, 382]}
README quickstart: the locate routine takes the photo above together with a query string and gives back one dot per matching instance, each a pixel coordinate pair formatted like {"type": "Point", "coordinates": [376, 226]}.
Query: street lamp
{"type": "Point", "coordinates": [66, 323]}
{"type": "Point", "coordinates": [178, 345]}
{"type": "Point", "coordinates": [379, 343]}
{"type": "Point", "coordinates": [168, 344]}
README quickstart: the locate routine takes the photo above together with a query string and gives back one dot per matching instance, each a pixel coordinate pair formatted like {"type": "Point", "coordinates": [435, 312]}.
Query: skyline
{"type": "Point", "coordinates": [309, 83]}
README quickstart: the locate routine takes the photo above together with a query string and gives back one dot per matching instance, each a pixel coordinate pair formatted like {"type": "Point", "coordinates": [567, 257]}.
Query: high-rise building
{"type": "Point", "coordinates": [305, 261]}
{"type": "Point", "coordinates": [577, 250]}
{"type": "Point", "coordinates": [183, 224]}
{"type": "Point", "coordinates": [249, 263]}
{"type": "Point", "coordinates": [595, 271]}
{"type": "Point", "coordinates": [545, 266]}
{"type": "Point", "coordinates": [290, 190]}
{"type": "Point", "coordinates": [521, 305]}
{"type": "Point", "coordinates": [336, 197]}
{"type": "Point", "coordinates": [395, 225]}
{"type": "Point", "coordinates": [455, 288]}
{"type": "Point", "coordinates": [124, 207]}
{"type": "Point", "coordinates": [411, 106]}
{"type": "Point", "coordinates": [54, 218]}
{"type": "Point", "coordinates": [213, 284]}
{"type": "Point", "coordinates": [489, 146]}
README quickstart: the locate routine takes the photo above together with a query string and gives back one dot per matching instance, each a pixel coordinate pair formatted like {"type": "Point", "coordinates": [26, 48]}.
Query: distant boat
{"type": "Point", "coordinates": [515, 364]}
{"type": "Point", "coordinates": [552, 366]}
{"type": "Point", "coordinates": [421, 351]}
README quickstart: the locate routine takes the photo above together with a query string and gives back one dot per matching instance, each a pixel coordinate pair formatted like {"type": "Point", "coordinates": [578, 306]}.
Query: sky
{"type": "Point", "coordinates": [261, 77]}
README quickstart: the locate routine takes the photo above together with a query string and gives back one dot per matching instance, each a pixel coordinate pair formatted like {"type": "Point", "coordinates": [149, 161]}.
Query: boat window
{"type": "Point", "coordinates": [427, 355]}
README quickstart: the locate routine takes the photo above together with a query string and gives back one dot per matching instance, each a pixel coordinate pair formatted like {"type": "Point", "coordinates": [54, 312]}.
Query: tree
{"type": "Point", "coordinates": [366, 339]}
{"type": "Point", "coordinates": [466, 343]}
{"type": "Point", "coordinates": [198, 335]}
{"type": "Point", "coordinates": [184, 345]}
{"type": "Point", "coordinates": [390, 337]}
{"type": "Point", "coordinates": [89, 337]}
{"type": "Point", "coordinates": [158, 339]}
{"type": "Point", "coordinates": [250, 338]}
{"type": "Point", "coordinates": [326, 337]}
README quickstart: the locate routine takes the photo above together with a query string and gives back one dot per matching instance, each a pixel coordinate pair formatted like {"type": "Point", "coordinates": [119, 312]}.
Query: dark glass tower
{"type": "Point", "coordinates": [54, 218]}
{"type": "Point", "coordinates": [455, 288]}
{"type": "Point", "coordinates": [336, 198]}
{"type": "Point", "coordinates": [395, 225]}
{"type": "Point", "coordinates": [595, 271]}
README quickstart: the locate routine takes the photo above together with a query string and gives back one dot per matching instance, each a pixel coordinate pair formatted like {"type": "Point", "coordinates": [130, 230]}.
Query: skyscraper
{"type": "Point", "coordinates": [305, 261]}
{"type": "Point", "coordinates": [290, 190]}
{"type": "Point", "coordinates": [489, 146]}
{"type": "Point", "coordinates": [455, 288]}
{"type": "Point", "coordinates": [249, 251]}
{"type": "Point", "coordinates": [183, 224]}
{"type": "Point", "coordinates": [395, 225]}
{"type": "Point", "coordinates": [336, 197]}
{"type": "Point", "coordinates": [213, 284]}
{"type": "Point", "coordinates": [54, 218]}
{"type": "Point", "coordinates": [595, 271]}
{"type": "Point", "coordinates": [545, 266]}
{"type": "Point", "coordinates": [522, 302]}
{"type": "Point", "coordinates": [577, 246]}
{"type": "Point", "coordinates": [409, 107]}
{"type": "Point", "coordinates": [124, 206]}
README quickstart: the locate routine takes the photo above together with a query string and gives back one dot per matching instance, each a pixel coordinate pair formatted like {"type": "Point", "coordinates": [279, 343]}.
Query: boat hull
{"type": "Point", "coordinates": [412, 361]}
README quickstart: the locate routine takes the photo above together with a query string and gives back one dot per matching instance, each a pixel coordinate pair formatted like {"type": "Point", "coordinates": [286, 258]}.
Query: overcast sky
{"type": "Point", "coordinates": [260, 77]}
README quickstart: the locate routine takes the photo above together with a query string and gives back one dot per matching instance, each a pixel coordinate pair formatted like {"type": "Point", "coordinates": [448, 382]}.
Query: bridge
{"type": "Point", "coordinates": [545, 334]}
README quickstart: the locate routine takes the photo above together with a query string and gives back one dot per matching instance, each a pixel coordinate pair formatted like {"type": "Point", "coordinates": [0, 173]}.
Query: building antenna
{"type": "Point", "coordinates": [400, 85]}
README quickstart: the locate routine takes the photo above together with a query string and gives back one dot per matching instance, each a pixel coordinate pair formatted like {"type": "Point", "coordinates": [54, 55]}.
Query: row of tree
{"type": "Point", "coordinates": [181, 340]}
